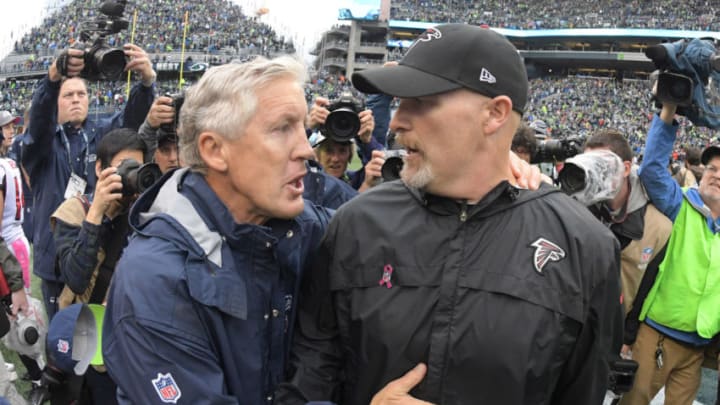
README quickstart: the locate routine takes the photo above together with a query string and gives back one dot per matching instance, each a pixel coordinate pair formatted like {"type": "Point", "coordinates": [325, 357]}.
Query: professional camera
{"type": "Point", "coordinates": [101, 61]}
{"type": "Point", "coordinates": [27, 333]}
{"type": "Point", "coordinates": [592, 177]}
{"type": "Point", "coordinates": [688, 76]}
{"type": "Point", "coordinates": [557, 150]}
{"type": "Point", "coordinates": [390, 170]}
{"type": "Point", "coordinates": [137, 178]}
{"type": "Point", "coordinates": [343, 123]}
{"type": "Point", "coordinates": [170, 129]}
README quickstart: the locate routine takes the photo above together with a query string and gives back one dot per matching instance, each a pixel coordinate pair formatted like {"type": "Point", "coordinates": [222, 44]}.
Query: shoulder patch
{"type": "Point", "coordinates": [546, 251]}
{"type": "Point", "coordinates": [166, 388]}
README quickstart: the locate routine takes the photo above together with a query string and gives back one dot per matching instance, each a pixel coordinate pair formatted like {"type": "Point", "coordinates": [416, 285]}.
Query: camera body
{"type": "Point", "coordinates": [101, 61]}
{"type": "Point", "coordinates": [557, 150]}
{"type": "Point", "coordinates": [688, 76]}
{"type": "Point", "coordinates": [170, 129]}
{"type": "Point", "coordinates": [390, 170]}
{"type": "Point", "coordinates": [137, 178]}
{"type": "Point", "coordinates": [343, 122]}
{"type": "Point", "coordinates": [27, 333]}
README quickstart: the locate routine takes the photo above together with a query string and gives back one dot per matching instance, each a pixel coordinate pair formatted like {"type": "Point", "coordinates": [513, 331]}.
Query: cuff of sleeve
{"type": "Point", "coordinates": [92, 231]}
{"type": "Point", "coordinates": [149, 82]}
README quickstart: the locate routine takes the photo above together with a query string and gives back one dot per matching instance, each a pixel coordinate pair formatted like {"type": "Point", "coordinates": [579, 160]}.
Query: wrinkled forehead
{"type": "Point", "coordinates": [74, 84]}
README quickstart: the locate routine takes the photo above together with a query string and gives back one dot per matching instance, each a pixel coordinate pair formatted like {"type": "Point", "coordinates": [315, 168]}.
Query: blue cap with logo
{"type": "Point", "coordinates": [72, 339]}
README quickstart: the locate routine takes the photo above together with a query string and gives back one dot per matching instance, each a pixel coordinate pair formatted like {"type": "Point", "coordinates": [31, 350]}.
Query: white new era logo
{"type": "Point", "coordinates": [486, 76]}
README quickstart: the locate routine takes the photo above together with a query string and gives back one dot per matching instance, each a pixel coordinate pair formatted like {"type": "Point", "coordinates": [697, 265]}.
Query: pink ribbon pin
{"type": "Point", "coordinates": [387, 274]}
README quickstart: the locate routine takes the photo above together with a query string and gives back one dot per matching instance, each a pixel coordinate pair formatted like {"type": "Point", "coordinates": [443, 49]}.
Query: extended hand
{"type": "Point", "coordinates": [396, 391]}
{"type": "Point", "coordinates": [107, 189]}
{"type": "Point", "coordinates": [367, 125]}
{"type": "Point", "coordinates": [139, 63]}
{"type": "Point", "coordinates": [161, 112]}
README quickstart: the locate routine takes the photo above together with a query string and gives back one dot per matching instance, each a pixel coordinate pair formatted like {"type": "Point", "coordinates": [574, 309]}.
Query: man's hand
{"type": "Point", "coordinates": [139, 63]}
{"type": "Point", "coordinates": [526, 175]}
{"type": "Point", "coordinates": [107, 189]}
{"type": "Point", "coordinates": [161, 112]}
{"type": "Point", "coordinates": [396, 391]}
{"type": "Point", "coordinates": [373, 170]}
{"type": "Point", "coordinates": [367, 125]}
{"type": "Point", "coordinates": [19, 302]}
{"type": "Point", "coordinates": [318, 113]}
{"type": "Point", "coordinates": [74, 60]}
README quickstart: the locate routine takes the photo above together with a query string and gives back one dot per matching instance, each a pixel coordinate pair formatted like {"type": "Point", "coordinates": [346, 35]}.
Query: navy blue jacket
{"type": "Point", "coordinates": [200, 307]}
{"type": "Point", "coordinates": [45, 159]}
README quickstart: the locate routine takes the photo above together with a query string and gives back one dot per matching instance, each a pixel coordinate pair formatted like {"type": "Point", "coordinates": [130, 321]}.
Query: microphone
{"type": "Point", "coordinates": [112, 9]}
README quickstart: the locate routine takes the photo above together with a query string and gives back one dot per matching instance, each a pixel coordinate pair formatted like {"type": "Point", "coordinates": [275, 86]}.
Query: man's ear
{"type": "Point", "coordinates": [212, 151]}
{"type": "Point", "coordinates": [499, 112]}
{"type": "Point", "coordinates": [98, 169]}
{"type": "Point", "coordinates": [628, 167]}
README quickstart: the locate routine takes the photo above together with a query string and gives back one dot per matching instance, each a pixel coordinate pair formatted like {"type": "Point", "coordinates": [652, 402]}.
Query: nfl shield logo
{"type": "Point", "coordinates": [646, 254]}
{"type": "Point", "coordinates": [63, 346]}
{"type": "Point", "coordinates": [166, 388]}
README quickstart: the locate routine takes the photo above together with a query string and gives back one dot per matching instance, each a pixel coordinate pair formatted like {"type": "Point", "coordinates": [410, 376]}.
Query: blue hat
{"type": "Point", "coordinates": [72, 339]}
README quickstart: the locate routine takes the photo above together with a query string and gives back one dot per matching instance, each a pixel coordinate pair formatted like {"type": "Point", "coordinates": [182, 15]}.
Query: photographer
{"type": "Point", "coordinates": [679, 317]}
{"type": "Point", "coordinates": [641, 229]}
{"type": "Point", "coordinates": [159, 133]}
{"type": "Point", "coordinates": [334, 153]}
{"type": "Point", "coordinates": [90, 233]}
{"type": "Point", "coordinates": [60, 152]}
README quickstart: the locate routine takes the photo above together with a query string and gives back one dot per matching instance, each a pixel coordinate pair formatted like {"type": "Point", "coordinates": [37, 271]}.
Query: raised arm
{"type": "Point", "coordinates": [664, 192]}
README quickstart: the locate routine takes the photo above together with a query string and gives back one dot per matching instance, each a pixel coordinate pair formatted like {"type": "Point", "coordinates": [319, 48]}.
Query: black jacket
{"type": "Point", "coordinates": [515, 300]}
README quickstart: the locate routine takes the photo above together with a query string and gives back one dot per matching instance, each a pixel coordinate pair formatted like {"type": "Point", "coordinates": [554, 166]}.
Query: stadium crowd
{"type": "Point", "coordinates": [527, 15]}
{"type": "Point", "coordinates": [215, 26]}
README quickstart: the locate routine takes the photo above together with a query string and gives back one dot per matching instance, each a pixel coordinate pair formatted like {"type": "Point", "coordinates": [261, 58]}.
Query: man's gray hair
{"type": "Point", "coordinates": [225, 100]}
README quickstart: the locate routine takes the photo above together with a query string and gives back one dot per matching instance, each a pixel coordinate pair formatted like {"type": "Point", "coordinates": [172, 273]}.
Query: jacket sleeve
{"type": "Point", "coordinates": [138, 106]}
{"type": "Point", "coordinates": [664, 192]}
{"type": "Point", "coordinates": [10, 267]}
{"type": "Point", "coordinates": [77, 253]}
{"type": "Point", "coordinates": [585, 377]}
{"type": "Point", "coordinates": [148, 135]}
{"type": "Point", "coordinates": [138, 353]}
{"type": "Point", "coordinates": [152, 338]}
{"type": "Point", "coordinates": [380, 106]}
{"type": "Point", "coordinates": [316, 358]}
{"type": "Point", "coordinates": [43, 124]}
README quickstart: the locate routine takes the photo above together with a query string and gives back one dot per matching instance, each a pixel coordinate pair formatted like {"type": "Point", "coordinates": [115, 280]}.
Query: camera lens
{"type": "Point", "coordinates": [109, 62]}
{"type": "Point", "coordinates": [390, 170]}
{"type": "Point", "coordinates": [343, 124]}
{"type": "Point", "coordinates": [146, 176]}
{"type": "Point", "coordinates": [572, 178]}
{"type": "Point", "coordinates": [31, 335]}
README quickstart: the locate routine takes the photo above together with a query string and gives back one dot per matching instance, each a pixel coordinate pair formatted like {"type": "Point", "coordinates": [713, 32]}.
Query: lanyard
{"type": "Point", "coordinates": [69, 154]}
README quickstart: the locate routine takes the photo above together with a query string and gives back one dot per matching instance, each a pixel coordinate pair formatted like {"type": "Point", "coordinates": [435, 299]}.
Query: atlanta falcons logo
{"type": "Point", "coordinates": [546, 251]}
{"type": "Point", "coordinates": [427, 36]}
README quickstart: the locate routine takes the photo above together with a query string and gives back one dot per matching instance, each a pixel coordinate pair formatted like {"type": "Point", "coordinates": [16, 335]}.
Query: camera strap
{"type": "Point", "coordinates": [84, 151]}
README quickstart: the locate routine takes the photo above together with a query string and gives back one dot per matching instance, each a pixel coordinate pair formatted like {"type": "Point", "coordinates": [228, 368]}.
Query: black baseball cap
{"type": "Point", "coordinates": [449, 57]}
{"type": "Point", "coordinates": [709, 153]}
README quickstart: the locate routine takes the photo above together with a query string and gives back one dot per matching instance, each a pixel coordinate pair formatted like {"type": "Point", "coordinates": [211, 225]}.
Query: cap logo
{"type": "Point", "coordinates": [486, 76]}
{"type": "Point", "coordinates": [427, 36]}
{"type": "Point", "coordinates": [166, 388]}
{"type": "Point", "coordinates": [63, 346]}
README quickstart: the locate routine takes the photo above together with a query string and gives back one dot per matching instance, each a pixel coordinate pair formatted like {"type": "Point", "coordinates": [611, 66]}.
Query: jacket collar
{"type": "Point", "coordinates": [199, 215]}
{"type": "Point", "coordinates": [501, 197]}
